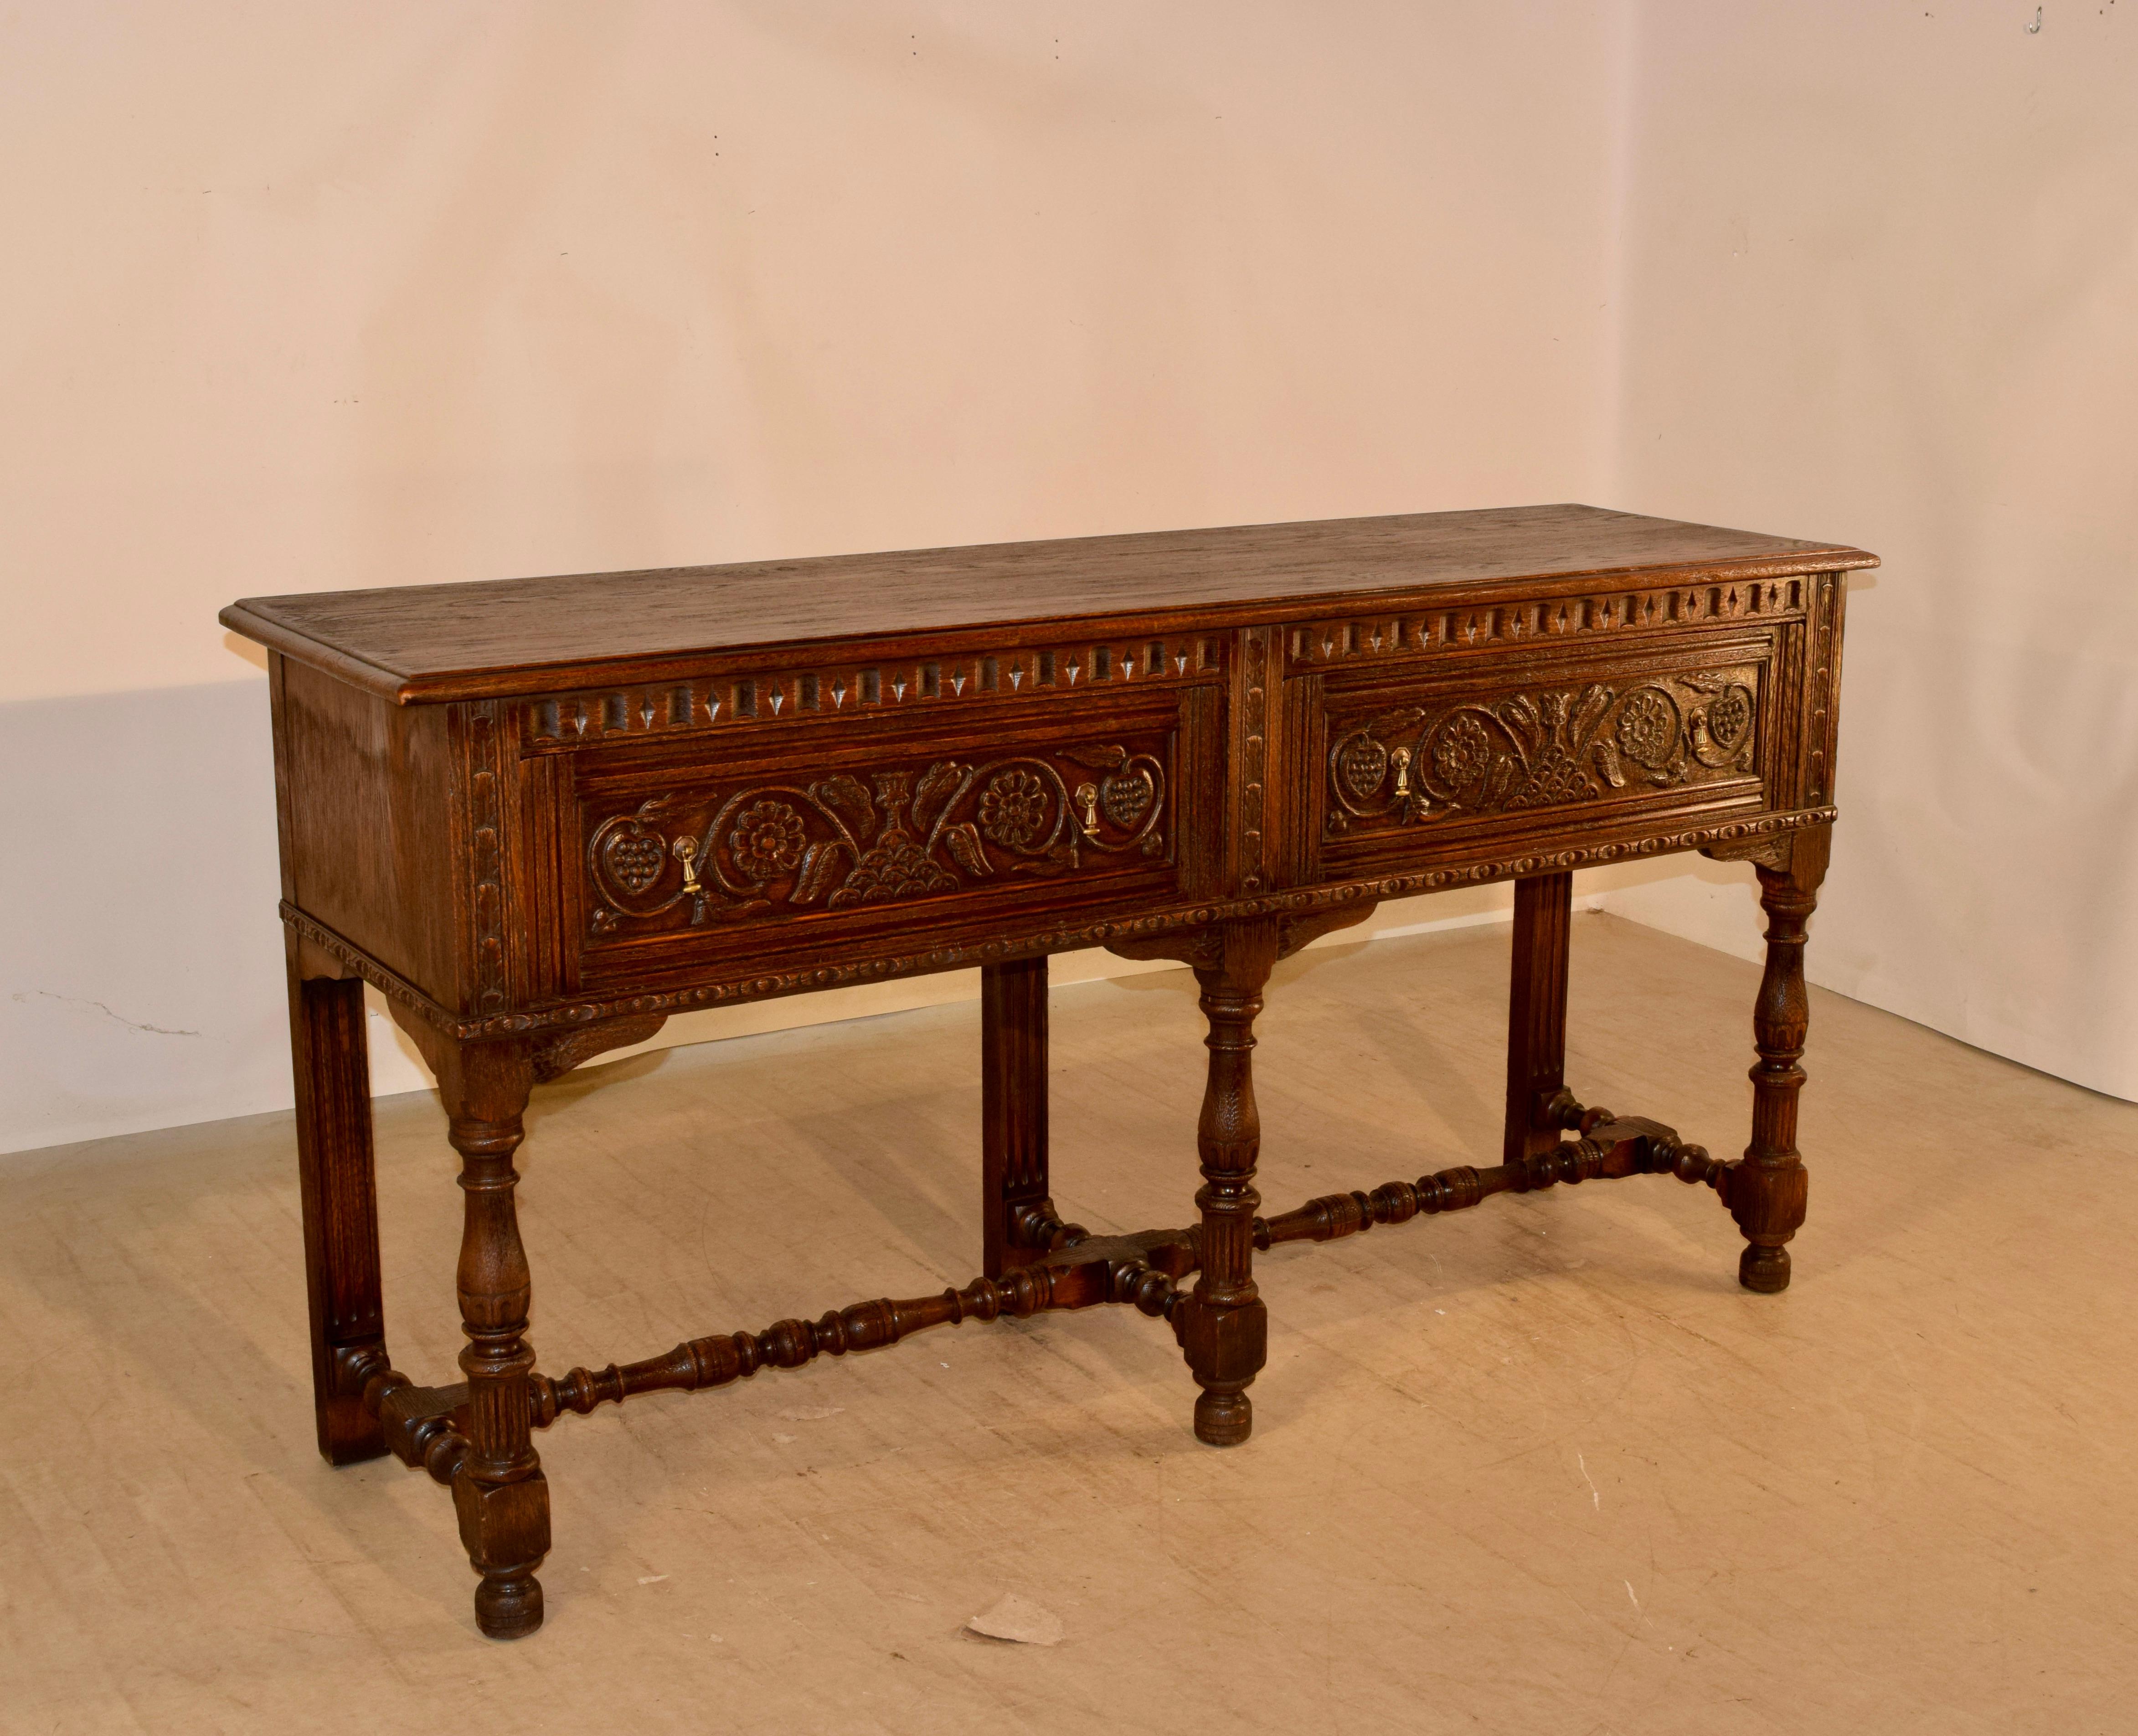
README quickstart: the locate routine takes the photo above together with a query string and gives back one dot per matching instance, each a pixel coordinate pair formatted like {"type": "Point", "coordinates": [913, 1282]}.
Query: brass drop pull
{"type": "Point", "coordinates": [1087, 800]}
{"type": "Point", "coordinates": [1400, 758]}
{"type": "Point", "coordinates": [686, 853]}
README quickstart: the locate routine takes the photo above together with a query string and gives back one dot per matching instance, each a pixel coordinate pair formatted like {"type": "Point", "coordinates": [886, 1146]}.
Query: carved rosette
{"type": "Point", "coordinates": [838, 843]}
{"type": "Point", "coordinates": [1544, 749]}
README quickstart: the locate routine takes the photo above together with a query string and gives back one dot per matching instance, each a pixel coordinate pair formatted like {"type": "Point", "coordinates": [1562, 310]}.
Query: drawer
{"type": "Point", "coordinates": [1444, 766]}
{"type": "Point", "coordinates": [821, 842]}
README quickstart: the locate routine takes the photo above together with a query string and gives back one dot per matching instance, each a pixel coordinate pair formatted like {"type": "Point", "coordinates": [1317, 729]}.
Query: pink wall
{"type": "Point", "coordinates": [1880, 277]}
{"type": "Point", "coordinates": [320, 295]}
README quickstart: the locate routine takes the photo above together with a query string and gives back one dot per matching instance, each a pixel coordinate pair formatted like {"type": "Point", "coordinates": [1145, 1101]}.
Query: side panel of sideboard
{"type": "Point", "coordinates": [366, 793]}
{"type": "Point", "coordinates": [1822, 689]}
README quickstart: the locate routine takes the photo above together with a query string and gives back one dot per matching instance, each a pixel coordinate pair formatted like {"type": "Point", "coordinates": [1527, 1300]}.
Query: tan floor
{"type": "Point", "coordinates": [1540, 1467]}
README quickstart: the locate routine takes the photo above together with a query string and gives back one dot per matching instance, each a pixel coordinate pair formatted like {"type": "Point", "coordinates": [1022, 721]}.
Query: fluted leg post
{"type": "Point", "coordinates": [499, 1492]}
{"type": "Point", "coordinates": [1536, 1014]}
{"type": "Point", "coordinates": [1224, 1328]}
{"type": "Point", "coordinates": [1013, 1108]}
{"type": "Point", "coordinates": [1767, 1191]}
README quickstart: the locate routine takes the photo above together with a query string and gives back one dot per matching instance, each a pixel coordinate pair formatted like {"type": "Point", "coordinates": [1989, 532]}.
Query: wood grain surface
{"type": "Point", "coordinates": [523, 635]}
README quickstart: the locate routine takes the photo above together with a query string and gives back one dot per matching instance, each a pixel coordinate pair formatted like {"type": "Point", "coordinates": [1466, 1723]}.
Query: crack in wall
{"type": "Point", "coordinates": [130, 1024]}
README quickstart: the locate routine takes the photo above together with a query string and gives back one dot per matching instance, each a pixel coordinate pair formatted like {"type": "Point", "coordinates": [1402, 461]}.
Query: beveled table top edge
{"type": "Point", "coordinates": [447, 686]}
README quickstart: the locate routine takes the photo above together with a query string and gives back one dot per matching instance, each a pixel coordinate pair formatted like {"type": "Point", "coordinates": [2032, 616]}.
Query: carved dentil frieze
{"type": "Point", "coordinates": [839, 842]}
{"type": "Point", "coordinates": [1011, 674]}
{"type": "Point", "coordinates": [1484, 627]}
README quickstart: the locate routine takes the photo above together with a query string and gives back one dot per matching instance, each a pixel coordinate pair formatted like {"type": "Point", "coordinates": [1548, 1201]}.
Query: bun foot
{"type": "Point", "coordinates": [1223, 1419]}
{"type": "Point", "coordinates": [509, 1609]}
{"type": "Point", "coordinates": [1763, 1270]}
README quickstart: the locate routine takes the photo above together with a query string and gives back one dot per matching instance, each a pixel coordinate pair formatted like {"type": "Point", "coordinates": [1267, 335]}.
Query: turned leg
{"type": "Point", "coordinates": [1224, 1325]}
{"type": "Point", "coordinates": [1767, 1190]}
{"type": "Point", "coordinates": [340, 1207]}
{"type": "Point", "coordinates": [1536, 1014]}
{"type": "Point", "coordinates": [498, 1491]}
{"type": "Point", "coordinates": [1013, 1109]}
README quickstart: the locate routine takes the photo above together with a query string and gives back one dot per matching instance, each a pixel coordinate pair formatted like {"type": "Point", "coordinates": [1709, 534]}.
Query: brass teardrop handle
{"type": "Point", "coordinates": [686, 852]}
{"type": "Point", "coordinates": [1088, 799]}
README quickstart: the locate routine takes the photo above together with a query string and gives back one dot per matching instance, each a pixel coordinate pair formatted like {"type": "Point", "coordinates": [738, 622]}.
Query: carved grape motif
{"type": "Point", "coordinates": [766, 839]}
{"type": "Point", "coordinates": [1127, 799]}
{"type": "Point", "coordinates": [636, 859]}
{"type": "Point", "coordinates": [1730, 719]}
{"type": "Point", "coordinates": [1363, 763]}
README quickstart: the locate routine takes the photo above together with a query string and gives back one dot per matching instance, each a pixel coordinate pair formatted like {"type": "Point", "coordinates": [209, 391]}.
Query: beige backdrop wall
{"type": "Point", "coordinates": [318, 295]}
{"type": "Point", "coordinates": [315, 296]}
{"type": "Point", "coordinates": [1880, 277]}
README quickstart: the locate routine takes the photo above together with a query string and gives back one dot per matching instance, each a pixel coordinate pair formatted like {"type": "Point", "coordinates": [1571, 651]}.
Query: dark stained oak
{"type": "Point", "coordinates": [1223, 1325]}
{"type": "Point", "coordinates": [1013, 1202]}
{"type": "Point", "coordinates": [499, 1490]}
{"type": "Point", "coordinates": [1767, 1195]}
{"type": "Point", "coordinates": [541, 816]}
{"type": "Point", "coordinates": [1536, 1015]}
{"type": "Point", "coordinates": [339, 1204]}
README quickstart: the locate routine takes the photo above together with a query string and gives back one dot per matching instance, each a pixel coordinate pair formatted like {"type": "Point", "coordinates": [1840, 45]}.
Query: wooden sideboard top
{"type": "Point", "coordinates": [490, 638]}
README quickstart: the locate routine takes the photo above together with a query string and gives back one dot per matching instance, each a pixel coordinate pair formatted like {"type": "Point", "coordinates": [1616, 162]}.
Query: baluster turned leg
{"type": "Point", "coordinates": [1225, 1325]}
{"type": "Point", "coordinates": [1536, 1013]}
{"type": "Point", "coordinates": [1012, 1108]}
{"type": "Point", "coordinates": [340, 1207]}
{"type": "Point", "coordinates": [1767, 1191]}
{"type": "Point", "coordinates": [499, 1492]}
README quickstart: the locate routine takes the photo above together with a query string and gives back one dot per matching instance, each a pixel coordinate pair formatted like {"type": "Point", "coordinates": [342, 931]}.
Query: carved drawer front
{"type": "Point", "coordinates": [1448, 767]}
{"type": "Point", "coordinates": [816, 840]}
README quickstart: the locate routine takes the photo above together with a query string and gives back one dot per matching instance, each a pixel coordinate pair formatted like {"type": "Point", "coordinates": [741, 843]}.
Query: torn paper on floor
{"type": "Point", "coordinates": [1019, 1619]}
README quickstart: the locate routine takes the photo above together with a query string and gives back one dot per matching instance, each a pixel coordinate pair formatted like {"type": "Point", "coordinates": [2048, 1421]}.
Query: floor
{"type": "Point", "coordinates": [1540, 1467]}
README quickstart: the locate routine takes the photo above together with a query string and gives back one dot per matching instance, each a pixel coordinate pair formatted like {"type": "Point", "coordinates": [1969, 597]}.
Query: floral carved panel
{"type": "Point", "coordinates": [1550, 747]}
{"type": "Point", "coordinates": [885, 836]}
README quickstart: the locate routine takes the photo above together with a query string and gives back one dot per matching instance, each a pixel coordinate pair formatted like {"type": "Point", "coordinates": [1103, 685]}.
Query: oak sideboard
{"type": "Point", "coordinates": [540, 816]}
